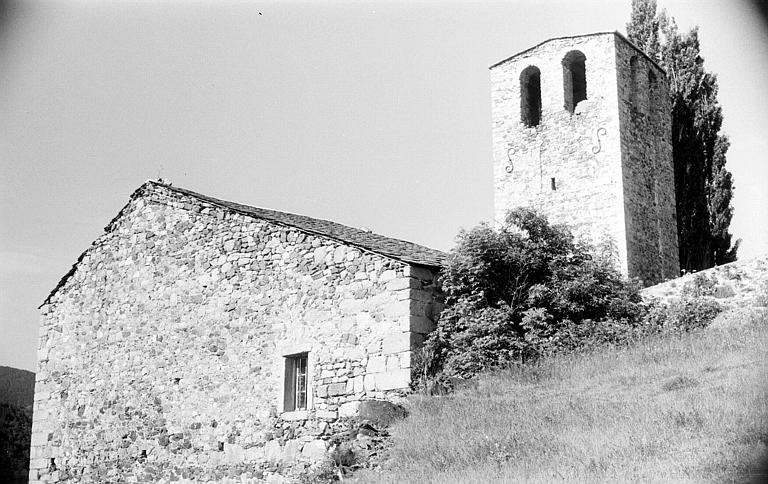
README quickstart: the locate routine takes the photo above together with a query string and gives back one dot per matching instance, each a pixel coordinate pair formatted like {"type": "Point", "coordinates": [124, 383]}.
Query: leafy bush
{"type": "Point", "coordinates": [524, 290]}
{"type": "Point", "coordinates": [701, 285]}
{"type": "Point", "coordinates": [588, 335]}
{"type": "Point", "coordinates": [684, 314]}
{"type": "Point", "coordinates": [341, 461]}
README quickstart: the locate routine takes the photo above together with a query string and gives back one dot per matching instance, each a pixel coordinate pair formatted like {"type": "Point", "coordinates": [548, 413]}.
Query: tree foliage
{"type": "Point", "coordinates": [512, 292]}
{"type": "Point", "coordinates": [703, 185]}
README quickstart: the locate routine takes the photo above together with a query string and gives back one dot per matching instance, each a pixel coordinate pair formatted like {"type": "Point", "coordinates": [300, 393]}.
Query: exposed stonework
{"type": "Point", "coordinates": [648, 175]}
{"type": "Point", "coordinates": [606, 168]}
{"type": "Point", "coordinates": [162, 353]}
{"type": "Point", "coordinates": [740, 284]}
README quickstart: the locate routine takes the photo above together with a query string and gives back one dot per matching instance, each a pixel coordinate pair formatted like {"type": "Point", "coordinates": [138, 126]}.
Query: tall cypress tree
{"type": "Point", "coordinates": [703, 185]}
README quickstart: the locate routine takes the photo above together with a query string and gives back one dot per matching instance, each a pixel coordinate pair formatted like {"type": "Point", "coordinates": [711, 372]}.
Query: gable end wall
{"type": "Point", "coordinates": [169, 340]}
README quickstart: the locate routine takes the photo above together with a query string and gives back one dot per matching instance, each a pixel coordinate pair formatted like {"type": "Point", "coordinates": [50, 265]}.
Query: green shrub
{"type": "Point", "coordinates": [323, 473]}
{"type": "Point", "coordinates": [586, 335]}
{"type": "Point", "coordinates": [521, 291]}
{"type": "Point", "coordinates": [682, 315]}
{"type": "Point", "coordinates": [701, 285]}
{"type": "Point", "coordinates": [694, 313]}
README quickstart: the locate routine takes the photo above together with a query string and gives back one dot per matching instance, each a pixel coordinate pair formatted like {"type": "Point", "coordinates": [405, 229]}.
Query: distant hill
{"type": "Point", "coordinates": [17, 391]}
{"type": "Point", "coordinates": [15, 436]}
{"type": "Point", "coordinates": [17, 387]}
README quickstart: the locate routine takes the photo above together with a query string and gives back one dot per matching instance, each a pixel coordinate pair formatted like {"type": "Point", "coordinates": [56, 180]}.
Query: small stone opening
{"type": "Point", "coordinates": [176, 380]}
{"type": "Point", "coordinates": [530, 96]}
{"type": "Point", "coordinates": [574, 79]}
{"type": "Point", "coordinates": [553, 184]}
{"type": "Point", "coordinates": [52, 465]}
{"type": "Point", "coordinates": [221, 446]}
{"type": "Point", "coordinates": [652, 81]}
{"type": "Point", "coordinates": [652, 85]}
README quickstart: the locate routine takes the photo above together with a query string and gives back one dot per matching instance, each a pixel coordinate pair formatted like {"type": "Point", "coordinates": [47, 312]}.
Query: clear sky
{"type": "Point", "coordinates": [371, 114]}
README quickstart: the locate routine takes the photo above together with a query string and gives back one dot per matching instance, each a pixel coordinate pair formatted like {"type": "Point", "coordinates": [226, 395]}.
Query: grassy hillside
{"type": "Point", "coordinates": [689, 408]}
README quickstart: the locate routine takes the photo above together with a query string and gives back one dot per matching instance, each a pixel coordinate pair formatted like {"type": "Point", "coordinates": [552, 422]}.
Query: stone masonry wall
{"type": "Point", "coordinates": [580, 151]}
{"type": "Point", "coordinates": [737, 285]}
{"type": "Point", "coordinates": [162, 356]}
{"type": "Point", "coordinates": [645, 113]}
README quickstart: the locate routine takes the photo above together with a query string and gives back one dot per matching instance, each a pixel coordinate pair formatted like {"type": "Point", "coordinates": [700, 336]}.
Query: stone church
{"type": "Point", "coordinates": [197, 337]}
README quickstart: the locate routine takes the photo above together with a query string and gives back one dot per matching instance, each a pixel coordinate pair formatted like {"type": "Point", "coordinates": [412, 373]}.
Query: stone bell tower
{"type": "Point", "coordinates": [582, 133]}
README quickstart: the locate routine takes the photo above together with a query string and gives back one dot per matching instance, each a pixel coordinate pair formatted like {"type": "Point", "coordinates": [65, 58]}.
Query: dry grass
{"type": "Point", "coordinates": [690, 408]}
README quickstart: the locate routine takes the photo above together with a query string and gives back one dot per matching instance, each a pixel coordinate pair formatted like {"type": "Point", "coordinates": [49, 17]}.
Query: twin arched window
{"type": "Point", "coordinates": [530, 96]}
{"type": "Point", "coordinates": [574, 87]}
{"type": "Point", "coordinates": [574, 79]}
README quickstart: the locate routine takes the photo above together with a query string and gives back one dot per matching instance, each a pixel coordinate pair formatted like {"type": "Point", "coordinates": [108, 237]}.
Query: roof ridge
{"type": "Point", "coordinates": [227, 203]}
{"type": "Point", "coordinates": [566, 37]}
{"type": "Point", "coordinates": [278, 216]}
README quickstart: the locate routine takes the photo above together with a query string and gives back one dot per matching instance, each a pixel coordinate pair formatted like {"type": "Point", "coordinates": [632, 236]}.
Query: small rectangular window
{"type": "Point", "coordinates": [295, 382]}
{"type": "Point", "coordinates": [553, 183]}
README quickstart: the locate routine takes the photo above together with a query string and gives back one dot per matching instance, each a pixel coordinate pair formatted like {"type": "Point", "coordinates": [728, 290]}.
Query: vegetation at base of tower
{"type": "Point", "coordinates": [689, 407]}
{"type": "Point", "coordinates": [703, 185]}
{"type": "Point", "coordinates": [528, 290]}
{"type": "Point", "coordinates": [521, 291]}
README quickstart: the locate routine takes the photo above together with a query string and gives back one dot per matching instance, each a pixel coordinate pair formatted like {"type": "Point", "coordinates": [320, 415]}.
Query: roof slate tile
{"type": "Point", "coordinates": [401, 250]}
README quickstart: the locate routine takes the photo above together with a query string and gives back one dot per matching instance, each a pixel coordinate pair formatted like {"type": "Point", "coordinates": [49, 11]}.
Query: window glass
{"type": "Point", "coordinates": [295, 388]}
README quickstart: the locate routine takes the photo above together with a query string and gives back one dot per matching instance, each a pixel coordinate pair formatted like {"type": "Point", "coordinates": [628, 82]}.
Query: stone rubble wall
{"type": "Point", "coordinates": [585, 163]}
{"type": "Point", "coordinates": [162, 356]}
{"type": "Point", "coordinates": [649, 179]}
{"type": "Point", "coordinates": [740, 284]}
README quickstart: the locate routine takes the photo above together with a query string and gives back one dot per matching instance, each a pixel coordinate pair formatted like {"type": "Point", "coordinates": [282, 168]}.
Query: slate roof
{"type": "Point", "coordinates": [401, 250]}
{"type": "Point", "coordinates": [397, 249]}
